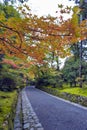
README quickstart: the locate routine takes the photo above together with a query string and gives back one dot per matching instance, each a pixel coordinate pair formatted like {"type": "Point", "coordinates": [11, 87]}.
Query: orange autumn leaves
{"type": "Point", "coordinates": [35, 37]}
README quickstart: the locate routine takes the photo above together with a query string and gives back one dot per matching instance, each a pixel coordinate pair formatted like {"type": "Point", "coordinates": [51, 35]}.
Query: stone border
{"type": "Point", "coordinates": [17, 120]}
{"type": "Point", "coordinates": [68, 96]}
{"type": "Point", "coordinates": [30, 119]}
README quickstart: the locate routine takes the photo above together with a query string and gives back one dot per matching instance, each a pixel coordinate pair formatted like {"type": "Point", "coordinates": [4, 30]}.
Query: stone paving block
{"type": "Point", "coordinates": [26, 125]}
{"type": "Point", "coordinates": [26, 121]}
{"type": "Point", "coordinates": [38, 125]}
{"type": "Point", "coordinates": [17, 122]}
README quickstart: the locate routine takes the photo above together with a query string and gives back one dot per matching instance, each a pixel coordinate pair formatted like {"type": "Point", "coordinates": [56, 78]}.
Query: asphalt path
{"type": "Point", "coordinates": [55, 113]}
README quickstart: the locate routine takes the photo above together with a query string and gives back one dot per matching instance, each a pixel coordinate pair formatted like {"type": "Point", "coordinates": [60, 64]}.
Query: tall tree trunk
{"type": "Point", "coordinates": [80, 65]}
{"type": "Point", "coordinates": [52, 61]}
{"type": "Point", "coordinates": [57, 61]}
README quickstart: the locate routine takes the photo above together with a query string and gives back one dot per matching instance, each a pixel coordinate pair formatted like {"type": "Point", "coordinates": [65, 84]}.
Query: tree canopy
{"type": "Point", "coordinates": [31, 37]}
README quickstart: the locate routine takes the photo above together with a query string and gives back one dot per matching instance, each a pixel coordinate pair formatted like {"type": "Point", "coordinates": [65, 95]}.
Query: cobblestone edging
{"type": "Point", "coordinates": [17, 120]}
{"type": "Point", "coordinates": [30, 119]}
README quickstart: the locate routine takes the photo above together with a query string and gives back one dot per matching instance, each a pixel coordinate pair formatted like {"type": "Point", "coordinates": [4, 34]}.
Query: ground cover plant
{"type": "Point", "coordinates": [7, 102]}
{"type": "Point", "coordinates": [76, 90]}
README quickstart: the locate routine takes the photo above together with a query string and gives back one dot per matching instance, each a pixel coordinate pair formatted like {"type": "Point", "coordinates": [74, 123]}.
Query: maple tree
{"type": "Point", "coordinates": [33, 38]}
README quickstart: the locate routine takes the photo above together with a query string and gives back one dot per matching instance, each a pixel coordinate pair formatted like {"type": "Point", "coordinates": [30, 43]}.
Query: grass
{"type": "Point", "coordinates": [72, 90]}
{"type": "Point", "coordinates": [6, 101]}
{"type": "Point", "coordinates": [76, 90]}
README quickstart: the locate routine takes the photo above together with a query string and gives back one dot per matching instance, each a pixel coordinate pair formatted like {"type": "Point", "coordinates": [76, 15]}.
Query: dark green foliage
{"type": "Point", "coordinates": [49, 78]}
{"type": "Point", "coordinates": [8, 84]}
{"type": "Point", "coordinates": [71, 71]}
{"type": "Point", "coordinates": [8, 11]}
{"type": "Point", "coordinates": [75, 50]}
{"type": "Point", "coordinates": [10, 78]}
{"type": "Point", "coordinates": [75, 69]}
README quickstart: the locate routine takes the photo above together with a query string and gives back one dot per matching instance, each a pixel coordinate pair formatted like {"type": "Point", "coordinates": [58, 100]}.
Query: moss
{"type": "Point", "coordinates": [6, 102]}
{"type": "Point", "coordinates": [77, 95]}
{"type": "Point", "coordinates": [76, 90]}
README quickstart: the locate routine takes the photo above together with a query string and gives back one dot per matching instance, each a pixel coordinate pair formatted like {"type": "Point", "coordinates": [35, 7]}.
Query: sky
{"type": "Point", "coordinates": [45, 7]}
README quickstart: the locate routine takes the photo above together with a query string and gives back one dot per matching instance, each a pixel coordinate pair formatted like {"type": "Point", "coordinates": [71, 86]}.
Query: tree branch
{"type": "Point", "coordinates": [9, 28]}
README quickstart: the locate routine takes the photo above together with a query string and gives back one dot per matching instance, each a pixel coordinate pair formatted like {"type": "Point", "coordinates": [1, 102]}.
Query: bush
{"type": "Point", "coordinates": [7, 82]}
{"type": "Point", "coordinates": [10, 81]}
{"type": "Point", "coordinates": [7, 108]}
{"type": "Point", "coordinates": [54, 79]}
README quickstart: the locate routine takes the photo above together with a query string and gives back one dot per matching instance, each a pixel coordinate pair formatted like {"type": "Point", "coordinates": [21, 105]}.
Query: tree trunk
{"type": "Point", "coordinates": [80, 65]}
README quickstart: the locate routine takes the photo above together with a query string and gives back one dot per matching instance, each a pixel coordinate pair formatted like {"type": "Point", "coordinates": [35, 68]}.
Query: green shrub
{"type": "Point", "coordinates": [7, 105]}
{"type": "Point", "coordinates": [54, 79]}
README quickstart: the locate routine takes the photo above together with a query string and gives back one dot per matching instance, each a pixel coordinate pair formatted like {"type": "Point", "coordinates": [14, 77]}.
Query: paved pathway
{"type": "Point", "coordinates": [55, 114]}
